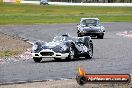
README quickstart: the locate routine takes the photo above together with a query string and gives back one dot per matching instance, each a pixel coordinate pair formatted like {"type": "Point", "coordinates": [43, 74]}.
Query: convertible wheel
{"type": "Point", "coordinates": [100, 36]}
{"type": "Point", "coordinates": [37, 59]}
{"type": "Point", "coordinates": [90, 52]}
{"type": "Point", "coordinates": [71, 54]}
{"type": "Point", "coordinates": [79, 35]}
{"type": "Point", "coordinates": [89, 44]}
{"type": "Point", "coordinates": [57, 59]}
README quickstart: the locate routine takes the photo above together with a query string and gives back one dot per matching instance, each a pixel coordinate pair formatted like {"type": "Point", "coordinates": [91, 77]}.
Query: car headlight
{"type": "Point", "coordinates": [82, 31]}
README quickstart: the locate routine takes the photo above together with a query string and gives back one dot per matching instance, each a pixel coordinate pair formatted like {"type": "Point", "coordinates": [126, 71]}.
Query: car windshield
{"type": "Point", "coordinates": [89, 22]}
{"type": "Point", "coordinates": [60, 38]}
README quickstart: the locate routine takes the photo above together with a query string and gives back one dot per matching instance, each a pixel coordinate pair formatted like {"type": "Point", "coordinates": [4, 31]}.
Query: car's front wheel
{"type": "Point", "coordinates": [100, 36]}
{"type": "Point", "coordinates": [78, 34]}
{"type": "Point", "coordinates": [89, 44]}
{"type": "Point", "coordinates": [89, 54]}
{"type": "Point", "coordinates": [37, 59]}
{"type": "Point", "coordinates": [57, 59]}
{"type": "Point", "coordinates": [71, 55]}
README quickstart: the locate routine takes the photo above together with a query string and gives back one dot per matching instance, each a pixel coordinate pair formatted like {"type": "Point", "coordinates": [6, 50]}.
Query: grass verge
{"type": "Point", "coordinates": [36, 14]}
{"type": "Point", "coordinates": [12, 46]}
{"type": "Point", "coordinates": [7, 53]}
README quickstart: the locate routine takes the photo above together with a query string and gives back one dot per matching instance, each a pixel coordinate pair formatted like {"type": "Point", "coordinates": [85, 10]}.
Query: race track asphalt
{"type": "Point", "coordinates": [113, 54]}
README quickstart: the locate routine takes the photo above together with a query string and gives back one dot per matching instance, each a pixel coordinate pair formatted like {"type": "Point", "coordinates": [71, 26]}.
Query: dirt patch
{"type": "Point", "coordinates": [12, 46]}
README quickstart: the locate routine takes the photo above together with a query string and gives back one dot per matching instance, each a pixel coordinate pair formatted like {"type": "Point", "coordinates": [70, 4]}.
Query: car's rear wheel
{"type": "Point", "coordinates": [37, 59]}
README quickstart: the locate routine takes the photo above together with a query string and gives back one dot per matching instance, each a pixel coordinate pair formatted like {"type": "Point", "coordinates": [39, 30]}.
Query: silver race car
{"type": "Point", "coordinates": [63, 47]}
{"type": "Point", "coordinates": [90, 27]}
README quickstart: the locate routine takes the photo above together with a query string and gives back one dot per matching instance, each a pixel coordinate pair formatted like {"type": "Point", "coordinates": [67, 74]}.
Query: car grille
{"type": "Point", "coordinates": [92, 30]}
{"type": "Point", "coordinates": [46, 53]}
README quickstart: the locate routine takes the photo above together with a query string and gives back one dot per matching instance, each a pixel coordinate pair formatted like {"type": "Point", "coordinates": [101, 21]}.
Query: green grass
{"type": "Point", "coordinates": [36, 14]}
{"type": "Point", "coordinates": [7, 53]}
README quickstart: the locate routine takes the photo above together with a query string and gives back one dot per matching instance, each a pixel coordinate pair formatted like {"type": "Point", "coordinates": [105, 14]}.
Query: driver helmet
{"type": "Point", "coordinates": [65, 36]}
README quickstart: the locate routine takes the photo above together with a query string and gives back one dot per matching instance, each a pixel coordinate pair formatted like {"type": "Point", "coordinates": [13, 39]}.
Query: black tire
{"type": "Point", "coordinates": [57, 59]}
{"type": "Point", "coordinates": [100, 36]}
{"type": "Point", "coordinates": [89, 54]}
{"type": "Point", "coordinates": [86, 41]}
{"type": "Point", "coordinates": [88, 44]}
{"type": "Point", "coordinates": [79, 35]}
{"type": "Point", "coordinates": [37, 59]}
{"type": "Point", "coordinates": [71, 55]}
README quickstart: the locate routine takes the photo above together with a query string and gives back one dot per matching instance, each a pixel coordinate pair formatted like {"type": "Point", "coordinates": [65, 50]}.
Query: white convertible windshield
{"type": "Point", "coordinates": [89, 22]}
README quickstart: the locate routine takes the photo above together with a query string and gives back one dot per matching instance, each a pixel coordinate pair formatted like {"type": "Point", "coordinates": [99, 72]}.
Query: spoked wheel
{"type": "Point", "coordinates": [71, 54]}
{"type": "Point", "coordinates": [90, 52]}
{"type": "Point", "coordinates": [89, 45]}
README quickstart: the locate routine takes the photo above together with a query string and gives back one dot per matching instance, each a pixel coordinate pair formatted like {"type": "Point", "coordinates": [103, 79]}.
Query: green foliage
{"type": "Point", "coordinates": [38, 14]}
{"type": "Point", "coordinates": [7, 53]}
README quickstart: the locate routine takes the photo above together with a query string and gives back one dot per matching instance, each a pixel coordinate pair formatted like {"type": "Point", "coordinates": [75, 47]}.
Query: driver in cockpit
{"type": "Point", "coordinates": [65, 36]}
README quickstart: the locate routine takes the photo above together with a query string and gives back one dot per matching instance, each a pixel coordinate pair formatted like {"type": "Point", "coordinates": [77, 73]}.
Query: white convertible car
{"type": "Point", "coordinates": [63, 47]}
